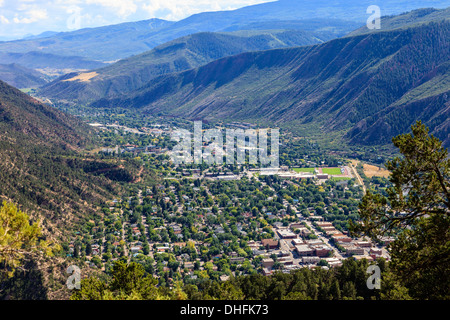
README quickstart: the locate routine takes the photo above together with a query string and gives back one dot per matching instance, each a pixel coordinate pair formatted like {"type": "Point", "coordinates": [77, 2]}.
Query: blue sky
{"type": "Point", "coordinates": [24, 17]}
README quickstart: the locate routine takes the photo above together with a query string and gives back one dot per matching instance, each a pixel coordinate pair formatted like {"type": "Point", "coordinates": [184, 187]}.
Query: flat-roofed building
{"type": "Point", "coordinates": [341, 238]}
{"type": "Point", "coordinates": [284, 253]}
{"type": "Point", "coordinates": [237, 259]}
{"type": "Point", "coordinates": [267, 263]}
{"type": "Point", "coordinates": [354, 250]}
{"type": "Point", "coordinates": [267, 272]}
{"type": "Point", "coordinates": [310, 260]}
{"type": "Point", "coordinates": [286, 234]}
{"type": "Point", "coordinates": [387, 240]}
{"type": "Point", "coordinates": [286, 261]}
{"type": "Point", "coordinates": [297, 242]}
{"type": "Point", "coordinates": [361, 257]}
{"type": "Point", "coordinates": [304, 250]}
{"type": "Point", "coordinates": [330, 233]}
{"type": "Point", "coordinates": [296, 225]}
{"type": "Point", "coordinates": [364, 244]}
{"type": "Point", "coordinates": [375, 252]}
{"type": "Point", "coordinates": [304, 231]}
{"type": "Point", "coordinates": [314, 241]}
{"type": "Point", "coordinates": [321, 250]}
{"type": "Point", "coordinates": [323, 224]}
{"type": "Point", "coordinates": [333, 262]}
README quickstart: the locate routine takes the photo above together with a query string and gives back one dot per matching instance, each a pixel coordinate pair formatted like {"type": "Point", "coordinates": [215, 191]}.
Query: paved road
{"type": "Point", "coordinates": [337, 254]}
{"type": "Point", "coordinates": [355, 173]}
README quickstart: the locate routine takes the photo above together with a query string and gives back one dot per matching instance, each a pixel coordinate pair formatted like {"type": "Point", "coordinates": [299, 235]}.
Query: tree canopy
{"type": "Point", "coordinates": [416, 211]}
{"type": "Point", "coordinates": [19, 239]}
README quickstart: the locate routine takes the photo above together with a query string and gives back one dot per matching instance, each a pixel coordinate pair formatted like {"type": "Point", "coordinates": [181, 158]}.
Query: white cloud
{"type": "Point", "coordinates": [3, 20]}
{"type": "Point", "coordinates": [33, 15]}
{"type": "Point", "coordinates": [123, 8]}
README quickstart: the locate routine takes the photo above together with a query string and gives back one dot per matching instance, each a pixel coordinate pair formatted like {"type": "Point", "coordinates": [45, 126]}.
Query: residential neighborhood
{"type": "Point", "coordinates": [219, 222]}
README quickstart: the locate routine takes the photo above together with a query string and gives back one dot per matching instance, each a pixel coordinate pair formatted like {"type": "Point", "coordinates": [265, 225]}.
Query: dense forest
{"type": "Point", "coordinates": [348, 282]}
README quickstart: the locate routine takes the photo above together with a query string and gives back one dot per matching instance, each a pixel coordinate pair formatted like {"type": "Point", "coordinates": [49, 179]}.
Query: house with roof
{"type": "Point", "coordinates": [270, 243]}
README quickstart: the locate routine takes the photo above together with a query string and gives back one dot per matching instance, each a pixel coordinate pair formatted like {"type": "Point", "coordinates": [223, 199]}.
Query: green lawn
{"type": "Point", "coordinates": [332, 171]}
{"type": "Point", "coordinates": [304, 169]}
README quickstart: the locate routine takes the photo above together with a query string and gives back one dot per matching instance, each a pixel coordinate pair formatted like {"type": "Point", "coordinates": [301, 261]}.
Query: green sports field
{"type": "Point", "coordinates": [332, 171]}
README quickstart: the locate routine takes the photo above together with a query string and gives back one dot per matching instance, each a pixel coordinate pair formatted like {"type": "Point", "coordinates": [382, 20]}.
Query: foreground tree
{"type": "Point", "coordinates": [19, 240]}
{"type": "Point", "coordinates": [416, 212]}
{"type": "Point", "coordinates": [128, 282]}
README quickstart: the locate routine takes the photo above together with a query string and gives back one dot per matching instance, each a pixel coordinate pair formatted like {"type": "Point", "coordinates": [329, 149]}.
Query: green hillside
{"type": "Point", "coordinates": [21, 77]}
{"type": "Point", "coordinates": [178, 55]}
{"type": "Point", "coordinates": [42, 166]}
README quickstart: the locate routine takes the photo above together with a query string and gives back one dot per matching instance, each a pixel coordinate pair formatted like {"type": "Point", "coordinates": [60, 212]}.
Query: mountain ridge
{"type": "Point", "coordinates": [21, 77]}
{"type": "Point", "coordinates": [178, 55]}
{"type": "Point", "coordinates": [407, 19]}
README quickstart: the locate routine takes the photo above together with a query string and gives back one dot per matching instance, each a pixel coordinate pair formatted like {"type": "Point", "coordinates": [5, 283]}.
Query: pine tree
{"type": "Point", "coordinates": [417, 212]}
{"type": "Point", "coordinates": [19, 240]}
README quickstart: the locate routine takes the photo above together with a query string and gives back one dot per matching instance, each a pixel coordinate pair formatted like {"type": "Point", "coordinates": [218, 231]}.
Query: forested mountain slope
{"type": "Point", "coordinates": [181, 54]}
{"type": "Point", "coordinates": [42, 167]}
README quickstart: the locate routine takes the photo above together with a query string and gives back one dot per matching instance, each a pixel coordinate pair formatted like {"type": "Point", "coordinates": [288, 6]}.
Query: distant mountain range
{"type": "Point", "coordinates": [368, 87]}
{"type": "Point", "coordinates": [111, 43]}
{"type": "Point", "coordinates": [303, 73]}
{"type": "Point", "coordinates": [48, 61]}
{"type": "Point", "coordinates": [40, 35]}
{"type": "Point", "coordinates": [107, 43]}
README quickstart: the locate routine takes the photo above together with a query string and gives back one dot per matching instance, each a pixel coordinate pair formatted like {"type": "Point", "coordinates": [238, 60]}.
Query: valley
{"type": "Point", "coordinates": [217, 221]}
{"type": "Point", "coordinates": [141, 150]}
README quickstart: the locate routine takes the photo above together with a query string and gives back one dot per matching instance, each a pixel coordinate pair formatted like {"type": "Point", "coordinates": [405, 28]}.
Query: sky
{"type": "Point", "coordinates": [19, 18]}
